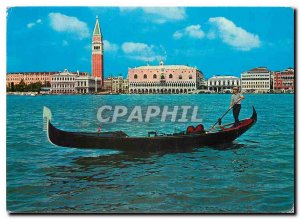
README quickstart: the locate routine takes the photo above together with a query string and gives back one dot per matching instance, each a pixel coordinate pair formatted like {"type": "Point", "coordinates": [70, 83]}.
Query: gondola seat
{"type": "Point", "coordinates": [191, 129]}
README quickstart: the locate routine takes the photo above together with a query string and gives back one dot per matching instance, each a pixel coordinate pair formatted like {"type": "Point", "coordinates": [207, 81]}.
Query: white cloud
{"type": "Point", "coordinates": [110, 47]}
{"type": "Point", "coordinates": [127, 9]}
{"type": "Point", "coordinates": [193, 31]}
{"type": "Point", "coordinates": [130, 47]}
{"type": "Point", "coordinates": [211, 35]}
{"type": "Point", "coordinates": [30, 25]}
{"type": "Point", "coordinates": [38, 21]}
{"type": "Point", "coordinates": [233, 35]}
{"type": "Point", "coordinates": [144, 52]}
{"type": "Point", "coordinates": [160, 15]}
{"type": "Point", "coordinates": [88, 47]}
{"type": "Point", "coordinates": [63, 23]}
{"type": "Point", "coordinates": [65, 43]}
{"type": "Point", "coordinates": [178, 34]}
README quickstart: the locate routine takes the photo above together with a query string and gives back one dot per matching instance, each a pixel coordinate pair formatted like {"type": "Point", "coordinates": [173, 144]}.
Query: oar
{"type": "Point", "coordinates": [220, 119]}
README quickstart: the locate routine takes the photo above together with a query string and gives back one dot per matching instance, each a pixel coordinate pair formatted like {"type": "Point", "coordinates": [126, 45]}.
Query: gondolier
{"type": "Point", "coordinates": [236, 100]}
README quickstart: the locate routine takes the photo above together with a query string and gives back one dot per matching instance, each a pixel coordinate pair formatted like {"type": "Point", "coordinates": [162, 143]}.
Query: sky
{"type": "Point", "coordinates": [216, 40]}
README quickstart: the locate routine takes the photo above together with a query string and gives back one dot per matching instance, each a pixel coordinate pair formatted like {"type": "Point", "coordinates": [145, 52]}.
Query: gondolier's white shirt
{"type": "Point", "coordinates": [235, 98]}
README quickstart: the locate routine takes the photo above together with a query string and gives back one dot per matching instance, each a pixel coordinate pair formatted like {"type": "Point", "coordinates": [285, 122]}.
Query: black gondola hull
{"type": "Point", "coordinates": [147, 144]}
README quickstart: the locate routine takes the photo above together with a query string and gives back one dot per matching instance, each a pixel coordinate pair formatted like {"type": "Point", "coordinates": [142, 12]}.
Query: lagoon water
{"type": "Point", "coordinates": [255, 175]}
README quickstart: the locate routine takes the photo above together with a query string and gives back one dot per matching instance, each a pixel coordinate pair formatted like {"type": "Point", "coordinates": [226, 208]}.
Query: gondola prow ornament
{"type": "Point", "coordinates": [47, 115]}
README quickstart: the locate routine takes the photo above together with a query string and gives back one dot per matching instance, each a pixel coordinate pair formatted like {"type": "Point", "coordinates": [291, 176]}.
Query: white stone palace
{"type": "Point", "coordinates": [69, 83]}
{"type": "Point", "coordinates": [171, 79]}
{"type": "Point", "coordinates": [222, 84]}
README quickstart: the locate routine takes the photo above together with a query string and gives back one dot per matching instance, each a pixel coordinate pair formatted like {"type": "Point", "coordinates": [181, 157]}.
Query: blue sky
{"type": "Point", "coordinates": [218, 41]}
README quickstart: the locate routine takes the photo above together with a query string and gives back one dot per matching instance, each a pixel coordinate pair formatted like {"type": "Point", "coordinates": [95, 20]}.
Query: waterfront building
{"type": "Point", "coordinates": [97, 53]}
{"type": "Point", "coordinates": [28, 78]}
{"type": "Point", "coordinates": [222, 84]}
{"type": "Point", "coordinates": [125, 86]}
{"type": "Point", "coordinates": [172, 79]}
{"type": "Point", "coordinates": [283, 81]}
{"type": "Point", "coordinates": [204, 85]}
{"type": "Point", "coordinates": [257, 80]}
{"type": "Point", "coordinates": [63, 83]}
{"type": "Point", "coordinates": [107, 84]}
{"type": "Point", "coordinates": [45, 90]}
{"type": "Point", "coordinates": [87, 84]}
{"type": "Point", "coordinates": [69, 83]}
{"type": "Point", "coordinates": [116, 85]}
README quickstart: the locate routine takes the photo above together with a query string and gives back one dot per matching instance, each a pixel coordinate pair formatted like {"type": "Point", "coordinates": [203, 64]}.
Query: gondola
{"type": "Point", "coordinates": [119, 140]}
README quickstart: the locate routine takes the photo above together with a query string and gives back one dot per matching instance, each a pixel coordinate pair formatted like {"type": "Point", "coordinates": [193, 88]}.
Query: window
{"type": "Point", "coordinates": [154, 76]}
{"type": "Point", "coordinates": [170, 76]}
{"type": "Point", "coordinates": [190, 77]}
{"type": "Point", "coordinates": [145, 76]}
{"type": "Point", "coordinates": [162, 77]}
{"type": "Point", "coordinates": [135, 76]}
{"type": "Point", "coordinates": [180, 76]}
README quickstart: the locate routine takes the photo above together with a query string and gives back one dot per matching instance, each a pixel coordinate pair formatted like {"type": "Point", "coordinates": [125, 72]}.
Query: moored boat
{"type": "Point", "coordinates": [119, 140]}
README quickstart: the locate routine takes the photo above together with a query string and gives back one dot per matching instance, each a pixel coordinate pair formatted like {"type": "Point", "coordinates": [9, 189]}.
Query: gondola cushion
{"type": "Point", "coordinates": [192, 129]}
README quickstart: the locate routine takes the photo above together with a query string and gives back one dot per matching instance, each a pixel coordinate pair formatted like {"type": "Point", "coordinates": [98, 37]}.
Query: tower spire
{"type": "Point", "coordinates": [97, 30]}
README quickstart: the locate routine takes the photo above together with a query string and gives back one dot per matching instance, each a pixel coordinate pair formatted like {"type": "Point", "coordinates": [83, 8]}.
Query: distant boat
{"type": "Point", "coordinates": [119, 140]}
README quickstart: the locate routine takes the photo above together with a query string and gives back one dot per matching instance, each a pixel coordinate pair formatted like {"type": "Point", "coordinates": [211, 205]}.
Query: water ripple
{"type": "Point", "coordinates": [253, 174]}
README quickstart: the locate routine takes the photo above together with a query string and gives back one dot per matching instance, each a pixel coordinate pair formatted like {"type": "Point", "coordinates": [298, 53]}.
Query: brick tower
{"type": "Point", "coordinates": [97, 53]}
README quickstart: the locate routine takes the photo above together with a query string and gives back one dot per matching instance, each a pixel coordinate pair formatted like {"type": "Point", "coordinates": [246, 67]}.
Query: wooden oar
{"type": "Point", "coordinates": [220, 119]}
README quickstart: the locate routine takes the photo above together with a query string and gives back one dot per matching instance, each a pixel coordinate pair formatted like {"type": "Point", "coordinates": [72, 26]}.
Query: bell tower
{"type": "Point", "coordinates": [97, 53]}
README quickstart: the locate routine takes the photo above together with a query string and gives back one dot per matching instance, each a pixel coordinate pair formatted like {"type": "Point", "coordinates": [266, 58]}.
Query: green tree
{"type": "Point", "coordinates": [21, 87]}
{"type": "Point", "coordinates": [12, 87]}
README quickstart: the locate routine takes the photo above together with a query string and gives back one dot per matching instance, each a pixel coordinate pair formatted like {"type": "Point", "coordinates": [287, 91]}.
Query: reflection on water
{"type": "Point", "coordinates": [228, 146]}
{"type": "Point", "coordinates": [123, 159]}
{"type": "Point", "coordinates": [120, 160]}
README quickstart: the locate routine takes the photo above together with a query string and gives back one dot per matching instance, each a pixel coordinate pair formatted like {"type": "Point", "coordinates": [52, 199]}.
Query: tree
{"type": "Point", "coordinates": [21, 86]}
{"type": "Point", "coordinates": [12, 87]}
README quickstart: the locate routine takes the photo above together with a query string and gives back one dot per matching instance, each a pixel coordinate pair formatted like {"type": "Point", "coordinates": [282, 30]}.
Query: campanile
{"type": "Point", "coordinates": [97, 53]}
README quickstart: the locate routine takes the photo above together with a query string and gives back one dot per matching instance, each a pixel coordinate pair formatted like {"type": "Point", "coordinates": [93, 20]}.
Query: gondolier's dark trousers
{"type": "Point", "coordinates": [236, 112]}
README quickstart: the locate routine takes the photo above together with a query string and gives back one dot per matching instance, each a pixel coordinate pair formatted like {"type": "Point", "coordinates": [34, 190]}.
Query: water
{"type": "Point", "coordinates": [256, 175]}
